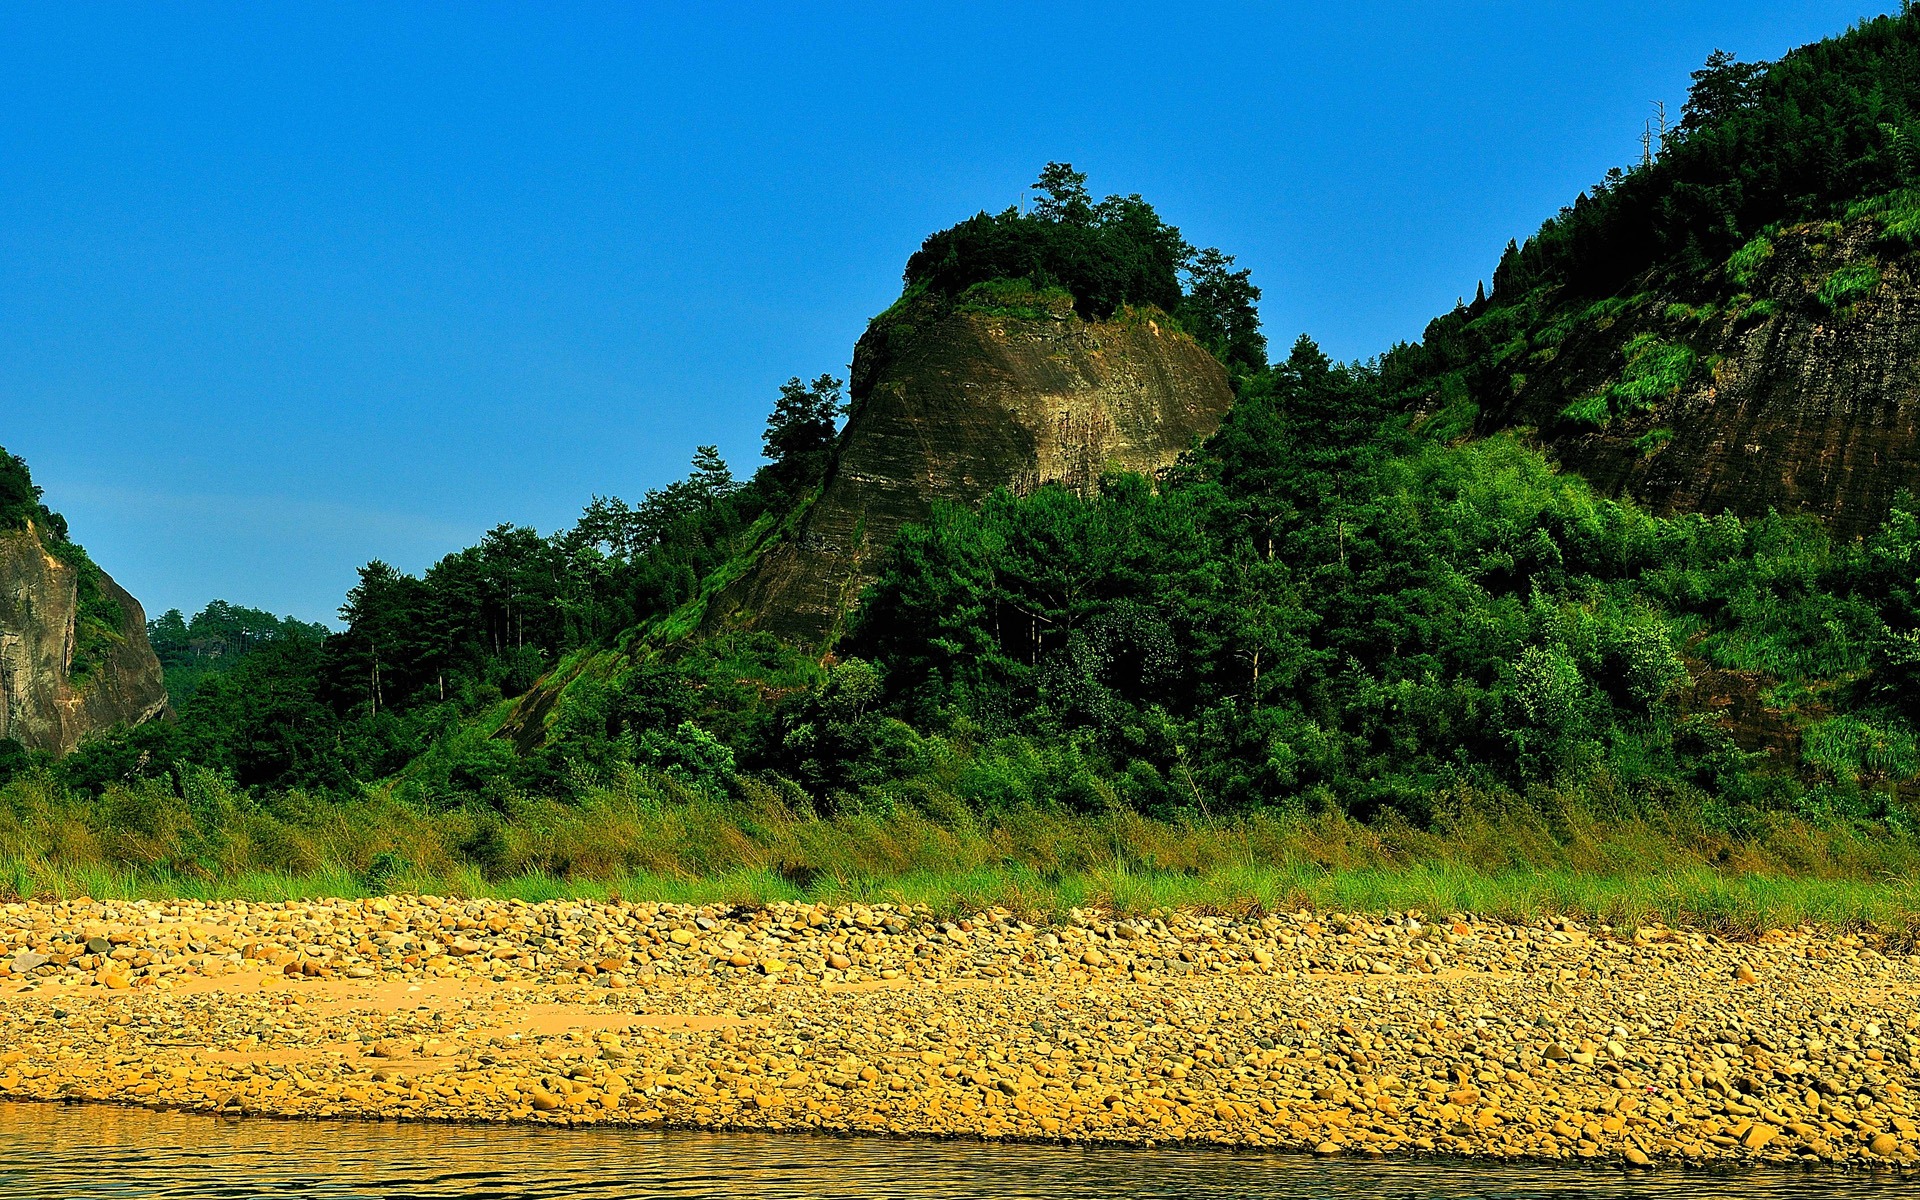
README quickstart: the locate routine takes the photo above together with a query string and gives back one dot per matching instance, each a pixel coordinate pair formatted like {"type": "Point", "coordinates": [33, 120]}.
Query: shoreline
{"type": "Point", "coordinates": [1715, 1169]}
{"type": "Point", "coordinates": [1333, 1034]}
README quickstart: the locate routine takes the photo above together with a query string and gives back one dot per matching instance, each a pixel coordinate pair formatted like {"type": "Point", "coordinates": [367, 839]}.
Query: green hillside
{"type": "Point", "coordinates": [1373, 601]}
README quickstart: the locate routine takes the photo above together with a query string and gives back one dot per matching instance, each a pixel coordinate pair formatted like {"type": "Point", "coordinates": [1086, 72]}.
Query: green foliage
{"type": "Point", "coordinates": [1219, 310]}
{"type": "Point", "coordinates": [1457, 414]}
{"type": "Point", "coordinates": [1758, 145]}
{"type": "Point", "coordinates": [215, 641]}
{"type": "Point", "coordinates": [98, 617]}
{"type": "Point", "coordinates": [278, 704]}
{"type": "Point", "coordinates": [19, 498]}
{"type": "Point", "coordinates": [1678, 312]}
{"type": "Point", "coordinates": [1902, 221]}
{"type": "Point", "coordinates": [798, 441]}
{"type": "Point", "coordinates": [1014, 298]}
{"type": "Point", "coordinates": [1655, 370]}
{"type": "Point", "coordinates": [1318, 615]}
{"type": "Point", "coordinates": [1841, 289]}
{"type": "Point", "coordinates": [1594, 411]}
{"type": "Point", "coordinates": [689, 753]}
{"type": "Point", "coordinates": [1892, 567]}
{"type": "Point", "coordinates": [1107, 255]}
{"type": "Point", "coordinates": [1898, 214]}
{"type": "Point", "coordinates": [1849, 747]}
{"type": "Point", "coordinates": [1744, 266]}
{"type": "Point", "coordinates": [1605, 311]}
{"type": "Point", "coordinates": [1652, 440]}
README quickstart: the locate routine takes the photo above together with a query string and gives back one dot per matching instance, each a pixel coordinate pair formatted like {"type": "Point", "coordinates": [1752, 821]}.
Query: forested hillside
{"type": "Point", "coordinates": [1373, 592]}
{"type": "Point", "coordinates": [1722, 327]}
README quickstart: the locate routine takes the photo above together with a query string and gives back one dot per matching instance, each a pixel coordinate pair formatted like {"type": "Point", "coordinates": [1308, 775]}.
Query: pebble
{"type": "Point", "coordinates": [1326, 1033]}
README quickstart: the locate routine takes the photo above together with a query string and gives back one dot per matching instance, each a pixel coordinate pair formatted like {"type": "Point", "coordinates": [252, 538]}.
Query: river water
{"type": "Point", "coordinates": [51, 1152]}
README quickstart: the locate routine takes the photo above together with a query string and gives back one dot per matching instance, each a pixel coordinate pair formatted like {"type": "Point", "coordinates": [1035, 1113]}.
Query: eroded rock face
{"type": "Point", "coordinates": [951, 404]}
{"type": "Point", "coordinates": [42, 705]}
{"type": "Point", "coordinates": [1811, 407]}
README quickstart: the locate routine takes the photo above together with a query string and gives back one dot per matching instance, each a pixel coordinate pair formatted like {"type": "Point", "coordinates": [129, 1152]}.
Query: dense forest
{"type": "Point", "coordinates": [1327, 607]}
{"type": "Point", "coordinates": [1826, 133]}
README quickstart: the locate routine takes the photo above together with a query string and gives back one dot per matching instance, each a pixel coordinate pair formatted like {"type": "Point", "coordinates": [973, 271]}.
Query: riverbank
{"type": "Point", "coordinates": [1304, 1031]}
{"type": "Point", "coordinates": [1592, 852]}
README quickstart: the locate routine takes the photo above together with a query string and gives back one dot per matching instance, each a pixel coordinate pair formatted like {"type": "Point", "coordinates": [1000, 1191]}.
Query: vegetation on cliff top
{"type": "Point", "coordinates": [99, 617]}
{"type": "Point", "coordinates": [1106, 255]}
{"type": "Point", "coordinates": [1756, 145]}
{"type": "Point", "coordinates": [1826, 133]}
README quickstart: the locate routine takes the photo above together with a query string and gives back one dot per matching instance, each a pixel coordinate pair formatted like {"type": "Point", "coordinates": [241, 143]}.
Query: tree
{"type": "Point", "coordinates": [1220, 311]}
{"type": "Point", "coordinates": [1720, 88]}
{"type": "Point", "coordinates": [386, 623]}
{"type": "Point", "coordinates": [610, 525]}
{"type": "Point", "coordinates": [1106, 255]}
{"type": "Point", "coordinates": [711, 479]}
{"type": "Point", "coordinates": [19, 498]}
{"type": "Point", "coordinates": [800, 433]}
{"type": "Point", "coordinates": [1063, 195]}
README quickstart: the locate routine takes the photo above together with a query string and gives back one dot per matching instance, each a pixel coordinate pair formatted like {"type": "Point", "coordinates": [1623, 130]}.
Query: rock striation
{"type": "Point", "coordinates": [951, 402]}
{"type": "Point", "coordinates": [1804, 394]}
{"type": "Point", "coordinates": [45, 703]}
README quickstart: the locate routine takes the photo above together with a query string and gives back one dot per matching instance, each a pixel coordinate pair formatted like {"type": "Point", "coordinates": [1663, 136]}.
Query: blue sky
{"type": "Point", "coordinates": [287, 287]}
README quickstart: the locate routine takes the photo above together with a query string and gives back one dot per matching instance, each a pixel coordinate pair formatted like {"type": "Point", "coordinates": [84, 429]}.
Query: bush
{"type": "Point", "coordinates": [1743, 268]}
{"type": "Point", "coordinates": [1849, 747]}
{"type": "Point", "coordinates": [1848, 285]}
{"type": "Point", "coordinates": [1654, 370]}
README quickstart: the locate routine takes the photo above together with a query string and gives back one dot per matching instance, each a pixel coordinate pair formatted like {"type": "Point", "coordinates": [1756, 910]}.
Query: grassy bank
{"type": "Point", "coordinates": [1575, 853]}
{"type": "Point", "coordinates": [1727, 902]}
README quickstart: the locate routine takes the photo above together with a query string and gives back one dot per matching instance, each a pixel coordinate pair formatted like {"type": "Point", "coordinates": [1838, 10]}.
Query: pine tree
{"type": "Point", "coordinates": [800, 433]}
{"type": "Point", "coordinates": [711, 479]}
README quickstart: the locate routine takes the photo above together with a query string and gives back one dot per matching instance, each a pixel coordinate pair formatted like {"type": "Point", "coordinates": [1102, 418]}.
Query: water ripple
{"type": "Point", "coordinates": [83, 1153]}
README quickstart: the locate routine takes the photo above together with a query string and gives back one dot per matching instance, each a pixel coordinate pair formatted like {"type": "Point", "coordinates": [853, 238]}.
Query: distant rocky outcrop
{"type": "Point", "coordinates": [1801, 387]}
{"type": "Point", "coordinates": [951, 401]}
{"type": "Point", "coordinates": [58, 687]}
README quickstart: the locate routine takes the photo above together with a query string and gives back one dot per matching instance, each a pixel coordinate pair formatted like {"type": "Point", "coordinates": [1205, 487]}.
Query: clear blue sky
{"type": "Point", "coordinates": [286, 287]}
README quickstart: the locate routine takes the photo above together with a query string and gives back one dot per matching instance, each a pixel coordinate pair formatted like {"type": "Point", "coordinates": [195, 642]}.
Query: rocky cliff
{"type": "Point", "coordinates": [1794, 385]}
{"type": "Point", "coordinates": [952, 401]}
{"type": "Point", "coordinates": [74, 660]}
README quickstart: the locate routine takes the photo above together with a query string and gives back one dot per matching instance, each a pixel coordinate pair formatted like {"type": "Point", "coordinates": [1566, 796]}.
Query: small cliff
{"type": "Point", "coordinates": [74, 658]}
{"type": "Point", "coordinates": [1795, 386]}
{"type": "Point", "coordinates": [951, 401]}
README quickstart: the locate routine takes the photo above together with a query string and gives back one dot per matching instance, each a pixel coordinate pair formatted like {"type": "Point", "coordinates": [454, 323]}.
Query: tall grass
{"type": "Point", "coordinates": [1730, 902]}
{"type": "Point", "coordinates": [1584, 852]}
{"type": "Point", "coordinates": [1849, 746]}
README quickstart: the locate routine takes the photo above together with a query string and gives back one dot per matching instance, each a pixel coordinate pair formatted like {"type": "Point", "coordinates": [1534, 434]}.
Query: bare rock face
{"type": "Point", "coordinates": [950, 404]}
{"type": "Point", "coordinates": [48, 701]}
{"type": "Point", "coordinates": [1804, 397]}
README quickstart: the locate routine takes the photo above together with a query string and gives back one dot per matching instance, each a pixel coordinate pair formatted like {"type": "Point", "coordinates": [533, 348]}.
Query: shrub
{"type": "Point", "coordinates": [1655, 370]}
{"type": "Point", "coordinates": [1652, 440]}
{"type": "Point", "coordinates": [1743, 268]}
{"type": "Point", "coordinates": [1849, 747]}
{"type": "Point", "coordinates": [1595, 410]}
{"type": "Point", "coordinates": [1848, 285]}
{"type": "Point", "coordinates": [1014, 298]}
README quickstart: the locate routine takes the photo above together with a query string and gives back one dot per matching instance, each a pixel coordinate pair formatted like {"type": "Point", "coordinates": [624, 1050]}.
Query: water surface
{"type": "Point", "coordinates": [75, 1152]}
